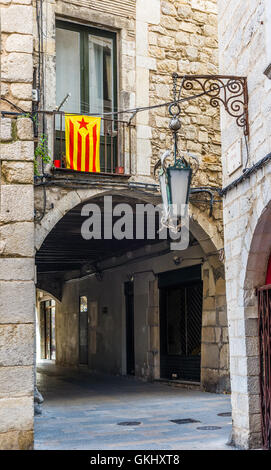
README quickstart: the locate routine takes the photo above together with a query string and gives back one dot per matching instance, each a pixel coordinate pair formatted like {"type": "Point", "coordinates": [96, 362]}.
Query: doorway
{"type": "Point", "coordinates": [47, 330]}
{"type": "Point", "coordinates": [83, 330]}
{"type": "Point", "coordinates": [180, 324]}
{"type": "Point", "coordinates": [130, 347]}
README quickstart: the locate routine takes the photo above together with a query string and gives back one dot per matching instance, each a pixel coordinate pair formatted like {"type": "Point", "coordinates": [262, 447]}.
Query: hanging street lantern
{"type": "Point", "coordinates": [175, 180]}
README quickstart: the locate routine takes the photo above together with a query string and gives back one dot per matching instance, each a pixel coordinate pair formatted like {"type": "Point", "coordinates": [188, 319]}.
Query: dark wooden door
{"type": "Point", "coordinates": [130, 348]}
{"type": "Point", "coordinates": [180, 331]}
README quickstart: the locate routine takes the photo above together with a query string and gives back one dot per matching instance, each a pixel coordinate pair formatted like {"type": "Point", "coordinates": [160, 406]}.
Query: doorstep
{"type": "Point", "coordinates": [181, 383]}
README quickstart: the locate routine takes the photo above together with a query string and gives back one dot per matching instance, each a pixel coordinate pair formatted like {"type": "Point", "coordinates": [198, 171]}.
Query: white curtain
{"type": "Point", "coordinates": [68, 70]}
{"type": "Point", "coordinates": [100, 75]}
{"type": "Point", "coordinates": [96, 76]}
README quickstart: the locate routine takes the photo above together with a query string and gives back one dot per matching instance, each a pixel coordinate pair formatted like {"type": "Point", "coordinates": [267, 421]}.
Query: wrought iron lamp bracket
{"type": "Point", "coordinates": [228, 90]}
{"type": "Point", "coordinates": [207, 191]}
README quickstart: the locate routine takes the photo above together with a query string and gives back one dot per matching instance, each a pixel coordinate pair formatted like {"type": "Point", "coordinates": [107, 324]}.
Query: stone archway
{"type": "Point", "coordinates": [214, 372]}
{"type": "Point", "coordinates": [200, 225]}
{"type": "Point", "coordinates": [214, 350]}
{"type": "Point", "coordinates": [247, 246]}
{"type": "Point", "coordinates": [257, 261]}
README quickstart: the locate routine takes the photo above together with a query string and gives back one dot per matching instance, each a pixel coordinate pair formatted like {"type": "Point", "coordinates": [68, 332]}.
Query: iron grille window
{"type": "Point", "coordinates": [180, 326]}
{"type": "Point", "coordinates": [184, 311]}
{"type": "Point", "coordinates": [264, 325]}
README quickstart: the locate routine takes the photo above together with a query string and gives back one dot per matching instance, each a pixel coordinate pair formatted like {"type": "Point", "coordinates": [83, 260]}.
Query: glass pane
{"type": "Point", "coordinates": [68, 69]}
{"type": "Point", "coordinates": [100, 74]}
{"type": "Point", "coordinates": [83, 304]}
{"type": "Point", "coordinates": [179, 181]}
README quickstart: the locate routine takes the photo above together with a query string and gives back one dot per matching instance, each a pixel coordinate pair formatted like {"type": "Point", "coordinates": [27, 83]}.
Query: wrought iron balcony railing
{"type": "Point", "coordinates": [117, 141]}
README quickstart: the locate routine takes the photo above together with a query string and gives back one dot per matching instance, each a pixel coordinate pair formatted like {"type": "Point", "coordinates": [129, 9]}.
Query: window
{"type": "Point", "coordinates": [47, 330]}
{"type": "Point", "coordinates": [86, 68]}
{"type": "Point", "coordinates": [83, 304]}
{"type": "Point", "coordinates": [83, 330]}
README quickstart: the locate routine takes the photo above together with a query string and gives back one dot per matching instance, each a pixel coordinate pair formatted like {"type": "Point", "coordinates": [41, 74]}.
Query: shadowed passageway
{"type": "Point", "coordinates": [82, 411]}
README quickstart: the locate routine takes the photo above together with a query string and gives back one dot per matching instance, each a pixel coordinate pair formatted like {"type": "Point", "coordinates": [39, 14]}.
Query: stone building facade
{"type": "Point", "coordinates": [153, 40]}
{"type": "Point", "coordinates": [244, 50]}
{"type": "Point", "coordinates": [17, 264]}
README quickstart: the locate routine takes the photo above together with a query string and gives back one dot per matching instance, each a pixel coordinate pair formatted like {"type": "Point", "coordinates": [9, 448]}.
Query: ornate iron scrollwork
{"type": "Point", "coordinates": [228, 90]}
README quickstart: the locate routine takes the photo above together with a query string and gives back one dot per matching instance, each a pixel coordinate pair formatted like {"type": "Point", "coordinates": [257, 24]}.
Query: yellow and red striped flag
{"type": "Point", "coordinates": [82, 135]}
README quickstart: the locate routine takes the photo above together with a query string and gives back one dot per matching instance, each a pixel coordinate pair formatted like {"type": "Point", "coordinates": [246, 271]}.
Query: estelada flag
{"type": "Point", "coordinates": [82, 135]}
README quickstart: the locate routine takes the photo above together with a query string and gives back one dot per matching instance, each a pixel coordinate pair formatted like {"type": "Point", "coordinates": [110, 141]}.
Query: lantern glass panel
{"type": "Point", "coordinates": [164, 192]}
{"type": "Point", "coordinates": [179, 183]}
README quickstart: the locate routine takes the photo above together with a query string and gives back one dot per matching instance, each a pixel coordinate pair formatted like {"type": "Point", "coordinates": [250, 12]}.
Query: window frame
{"type": "Point", "coordinates": [84, 32]}
{"type": "Point", "coordinates": [47, 348]}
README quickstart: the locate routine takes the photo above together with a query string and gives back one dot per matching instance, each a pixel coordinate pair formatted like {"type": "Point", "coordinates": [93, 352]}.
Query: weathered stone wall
{"type": "Point", "coordinates": [16, 287]}
{"type": "Point", "coordinates": [243, 34]}
{"type": "Point", "coordinates": [174, 36]}
{"type": "Point", "coordinates": [16, 53]}
{"type": "Point", "coordinates": [185, 41]}
{"type": "Point", "coordinates": [215, 351]}
{"type": "Point", "coordinates": [16, 231]}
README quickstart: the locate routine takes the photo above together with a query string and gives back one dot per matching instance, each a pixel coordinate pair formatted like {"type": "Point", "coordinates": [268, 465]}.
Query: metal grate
{"type": "Point", "coordinates": [180, 331]}
{"type": "Point", "coordinates": [264, 306]}
{"type": "Point", "coordinates": [129, 423]}
{"type": "Point", "coordinates": [184, 421]}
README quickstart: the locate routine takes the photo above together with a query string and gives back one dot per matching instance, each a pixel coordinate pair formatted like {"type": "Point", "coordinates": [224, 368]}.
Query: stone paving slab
{"type": "Point", "coordinates": [81, 411]}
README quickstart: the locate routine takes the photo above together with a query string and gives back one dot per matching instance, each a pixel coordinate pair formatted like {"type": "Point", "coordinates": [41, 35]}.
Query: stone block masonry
{"type": "Point", "coordinates": [17, 52]}
{"type": "Point", "coordinates": [182, 38]}
{"type": "Point", "coordinates": [247, 218]}
{"type": "Point", "coordinates": [17, 289]}
{"type": "Point", "coordinates": [185, 41]}
{"type": "Point", "coordinates": [17, 294]}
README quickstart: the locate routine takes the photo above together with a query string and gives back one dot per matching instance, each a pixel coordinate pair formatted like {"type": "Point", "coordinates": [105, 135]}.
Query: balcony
{"type": "Point", "coordinates": [117, 147]}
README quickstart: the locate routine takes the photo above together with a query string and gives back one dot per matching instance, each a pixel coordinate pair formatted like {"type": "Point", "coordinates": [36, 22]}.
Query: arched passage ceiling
{"type": "Point", "coordinates": [64, 249]}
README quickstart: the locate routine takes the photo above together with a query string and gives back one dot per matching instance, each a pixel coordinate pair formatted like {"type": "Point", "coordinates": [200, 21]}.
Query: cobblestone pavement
{"type": "Point", "coordinates": [82, 411]}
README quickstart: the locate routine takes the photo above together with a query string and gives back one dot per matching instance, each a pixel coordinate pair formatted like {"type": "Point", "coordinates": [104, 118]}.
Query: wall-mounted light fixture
{"type": "Point", "coordinates": [227, 90]}
{"type": "Point", "coordinates": [175, 180]}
